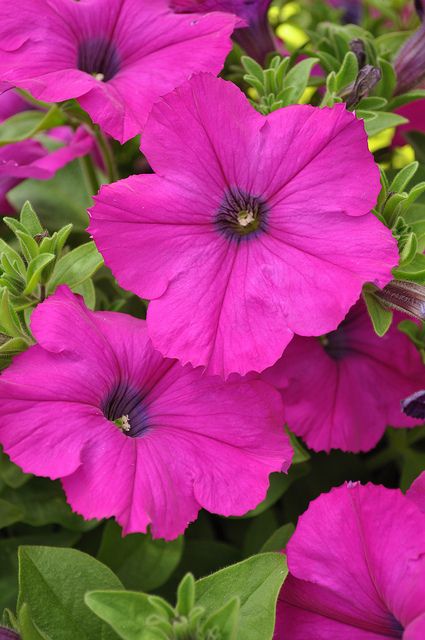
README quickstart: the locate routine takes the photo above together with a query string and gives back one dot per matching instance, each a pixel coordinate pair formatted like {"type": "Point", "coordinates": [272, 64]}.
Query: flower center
{"type": "Point", "coordinates": [241, 214]}
{"type": "Point", "coordinates": [124, 407]}
{"type": "Point", "coordinates": [99, 57]}
{"type": "Point", "coordinates": [336, 344]}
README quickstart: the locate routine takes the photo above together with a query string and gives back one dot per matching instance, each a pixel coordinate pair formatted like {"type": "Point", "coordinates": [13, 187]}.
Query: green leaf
{"type": "Point", "coordinates": [126, 612]}
{"type": "Point", "coordinates": [256, 582]}
{"type": "Point", "coordinates": [9, 514]}
{"type": "Point", "coordinates": [279, 539]}
{"type": "Point", "coordinates": [53, 582]}
{"type": "Point", "coordinates": [29, 246]}
{"type": "Point", "coordinates": [226, 620]}
{"type": "Point", "coordinates": [11, 474]}
{"type": "Point", "coordinates": [297, 79]}
{"type": "Point", "coordinates": [186, 595]}
{"type": "Point", "coordinates": [381, 121]}
{"type": "Point", "coordinates": [43, 502]}
{"type": "Point", "coordinates": [403, 177]}
{"type": "Point", "coordinates": [76, 266]}
{"type": "Point", "coordinates": [28, 628]}
{"type": "Point", "coordinates": [253, 68]}
{"type": "Point", "coordinates": [8, 317]}
{"type": "Point", "coordinates": [35, 271]}
{"type": "Point", "coordinates": [27, 124]}
{"type": "Point", "coordinates": [88, 291]}
{"type": "Point", "coordinates": [140, 562]}
{"type": "Point", "coordinates": [380, 316]}
{"type": "Point", "coordinates": [414, 271]}
{"type": "Point", "coordinates": [348, 71]}
{"type": "Point", "coordinates": [279, 483]}
{"type": "Point", "coordinates": [29, 220]}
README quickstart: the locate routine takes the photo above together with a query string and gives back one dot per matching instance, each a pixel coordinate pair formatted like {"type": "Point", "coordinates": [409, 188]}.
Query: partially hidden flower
{"type": "Point", "coordinates": [414, 112]}
{"type": "Point", "coordinates": [253, 228]}
{"type": "Point", "coordinates": [8, 634]}
{"type": "Point", "coordinates": [352, 10]}
{"type": "Point", "coordinates": [31, 159]}
{"type": "Point", "coordinates": [131, 434]}
{"type": "Point", "coordinates": [342, 390]}
{"type": "Point", "coordinates": [115, 56]}
{"type": "Point", "coordinates": [254, 33]}
{"type": "Point", "coordinates": [356, 568]}
{"type": "Point", "coordinates": [417, 492]}
{"type": "Point", "coordinates": [410, 61]}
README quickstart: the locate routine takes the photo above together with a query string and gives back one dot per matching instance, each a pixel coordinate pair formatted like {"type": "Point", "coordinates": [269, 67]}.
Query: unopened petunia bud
{"type": "Point", "coordinates": [414, 405]}
{"type": "Point", "coordinates": [410, 60]}
{"type": "Point", "coordinates": [367, 78]}
{"type": "Point", "coordinates": [8, 634]}
{"type": "Point", "coordinates": [404, 296]}
{"type": "Point", "coordinates": [357, 46]}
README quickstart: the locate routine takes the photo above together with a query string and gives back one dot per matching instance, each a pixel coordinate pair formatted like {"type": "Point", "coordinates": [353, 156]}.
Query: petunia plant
{"type": "Point", "coordinates": [212, 320]}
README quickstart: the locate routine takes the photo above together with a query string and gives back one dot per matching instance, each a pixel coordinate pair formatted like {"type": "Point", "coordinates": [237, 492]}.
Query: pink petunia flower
{"type": "Point", "coordinates": [341, 391]}
{"type": "Point", "coordinates": [357, 568]}
{"type": "Point", "coordinates": [115, 56]}
{"type": "Point", "coordinates": [183, 440]}
{"type": "Point", "coordinates": [253, 228]}
{"type": "Point", "coordinates": [417, 492]}
{"type": "Point", "coordinates": [31, 159]}
{"type": "Point", "coordinates": [254, 33]}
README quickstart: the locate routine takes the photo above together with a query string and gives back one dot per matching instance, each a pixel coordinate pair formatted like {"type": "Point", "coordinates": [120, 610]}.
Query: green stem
{"type": "Point", "coordinates": [90, 176]}
{"type": "Point", "coordinates": [107, 155]}
{"type": "Point", "coordinates": [382, 458]}
{"type": "Point", "coordinates": [36, 103]}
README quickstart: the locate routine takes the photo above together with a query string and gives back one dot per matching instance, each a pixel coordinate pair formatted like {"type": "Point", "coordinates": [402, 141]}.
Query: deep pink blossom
{"type": "Point", "coordinates": [115, 56]}
{"type": "Point", "coordinates": [253, 228]}
{"type": "Point", "coordinates": [417, 492]}
{"type": "Point", "coordinates": [186, 440]}
{"type": "Point", "coordinates": [254, 33]}
{"type": "Point", "coordinates": [31, 159]}
{"type": "Point", "coordinates": [341, 391]}
{"type": "Point", "coordinates": [357, 569]}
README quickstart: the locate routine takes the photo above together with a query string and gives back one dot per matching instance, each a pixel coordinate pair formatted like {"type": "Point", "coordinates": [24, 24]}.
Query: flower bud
{"type": "Point", "coordinates": [414, 405]}
{"type": "Point", "coordinates": [367, 78]}
{"type": "Point", "coordinates": [404, 296]}
{"type": "Point", "coordinates": [410, 61]}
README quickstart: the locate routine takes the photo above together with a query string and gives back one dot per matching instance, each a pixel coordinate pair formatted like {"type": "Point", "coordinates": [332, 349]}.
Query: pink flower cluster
{"type": "Point", "coordinates": [252, 240]}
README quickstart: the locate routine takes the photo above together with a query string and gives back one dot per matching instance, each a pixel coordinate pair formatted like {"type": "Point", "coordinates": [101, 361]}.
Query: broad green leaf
{"type": "Point", "coordinates": [11, 474]}
{"type": "Point", "coordinates": [43, 502]}
{"type": "Point", "coordinates": [279, 539]}
{"type": "Point", "coordinates": [88, 291]}
{"type": "Point", "coordinates": [140, 562]}
{"type": "Point", "coordinates": [58, 201]}
{"type": "Point", "coordinates": [125, 611]}
{"type": "Point", "coordinates": [348, 71]}
{"type": "Point", "coordinates": [256, 582]}
{"type": "Point", "coordinates": [28, 629]}
{"type": "Point", "coordinates": [27, 124]}
{"type": "Point", "coordinates": [186, 595]}
{"type": "Point", "coordinates": [53, 583]}
{"type": "Point", "coordinates": [9, 514]}
{"type": "Point", "coordinates": [76, 266]}
{"type": "Point", "coordinates": [381, 316]}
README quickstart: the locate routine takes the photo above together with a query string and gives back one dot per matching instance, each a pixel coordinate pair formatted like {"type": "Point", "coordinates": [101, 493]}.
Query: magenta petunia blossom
{"type": "Point", "coordinates": [417, 492]}
{"type": "Point", "coordinates": [254, 33]}
{"type": "Point", "coordinates": [357, 569]}
{"type": "Point", "coordinates": [31, 159]}
{"type": "Point", "coordinates": [253, 228]}
{"type": "Point", "coordinates": [115, 56]}
{"type": "Point", "coordinates": [341, 391]}
{"type": "Point", "coordinates": [131, 434]}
